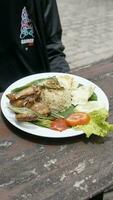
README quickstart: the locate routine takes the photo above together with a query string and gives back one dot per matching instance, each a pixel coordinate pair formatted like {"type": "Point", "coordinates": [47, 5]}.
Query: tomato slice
{"type": "Point", "coordinates": [78, 118]}
{"type": "Point", "coordinates": [59, 124]}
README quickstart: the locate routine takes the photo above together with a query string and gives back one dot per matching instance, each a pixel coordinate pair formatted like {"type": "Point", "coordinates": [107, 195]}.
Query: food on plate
{"type": "Point", "coordinates": [98, 124]}
{"type": "Point", "coordinates": [59, 124]}
{"type": "Point", "coordinates": [89, 106]}
{"type": "Point", "coordinates": [59, 103]}
{"type": "Point", "coordinates": [78, 118]}
{"type": "Point", "coordinates": [82, 94]}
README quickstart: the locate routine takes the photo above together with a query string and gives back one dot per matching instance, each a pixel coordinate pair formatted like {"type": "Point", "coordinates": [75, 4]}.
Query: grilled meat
{"type": "Point", "coordinates": [26, 117]}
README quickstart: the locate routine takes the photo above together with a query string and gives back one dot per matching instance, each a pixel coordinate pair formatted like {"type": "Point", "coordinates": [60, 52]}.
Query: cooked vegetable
{"type": "Point", "coordinates": [27, 111]}
{"type": "Point", "coordinates": [43, 122]}
{"type": "Point", "coordinates": [22, 110]}
{"type": "Point", "coordinates": [78, 118]}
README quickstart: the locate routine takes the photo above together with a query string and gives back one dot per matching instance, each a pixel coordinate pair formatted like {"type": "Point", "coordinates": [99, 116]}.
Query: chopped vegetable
{"type": "Point", "coordinates": [89, 106]}
{"type": "Point", "coordinates": [78, 118]}
{"type": "Point", "coordinates": [82, 94]}
{"type": "Point", "coordinates": [98, 124]}
{"type": "Point", "coordinates": [59, 124]}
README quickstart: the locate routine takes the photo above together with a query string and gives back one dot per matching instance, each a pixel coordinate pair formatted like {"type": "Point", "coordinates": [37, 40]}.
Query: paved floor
{"type": "Point", "coordinates": [87, 34]}
{"type": "Point", "coordinates": [87, 30]}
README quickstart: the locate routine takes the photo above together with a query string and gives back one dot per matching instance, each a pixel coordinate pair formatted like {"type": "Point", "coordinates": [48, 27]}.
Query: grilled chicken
{"type": "Point", "coordinates": [25, 93]}
{"type": "Point", "coordinates": [26, 102]}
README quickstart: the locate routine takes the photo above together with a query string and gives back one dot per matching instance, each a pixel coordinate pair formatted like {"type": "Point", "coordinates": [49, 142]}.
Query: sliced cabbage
{"type": "Point", "coordinates": [89, 106]}
{"type": "Point", "coordinates": [82, 94]}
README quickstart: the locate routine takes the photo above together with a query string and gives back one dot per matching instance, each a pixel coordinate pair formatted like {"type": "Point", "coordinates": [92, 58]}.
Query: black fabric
{"type": "Point", "coordinates": [47, 52]}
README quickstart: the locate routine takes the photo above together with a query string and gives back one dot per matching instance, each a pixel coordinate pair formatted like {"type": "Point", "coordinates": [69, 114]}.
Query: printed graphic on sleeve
{"type": "Point", "coordinates": [26, 32]}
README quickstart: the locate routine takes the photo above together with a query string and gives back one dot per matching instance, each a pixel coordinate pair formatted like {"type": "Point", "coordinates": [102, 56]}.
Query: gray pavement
{"type": "Point", "coordinates": [87, 30]}
{"type": "Point", "coordinates": [87, 34]}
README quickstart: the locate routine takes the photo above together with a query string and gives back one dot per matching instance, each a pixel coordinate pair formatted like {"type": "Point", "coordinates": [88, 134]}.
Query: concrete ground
{"type": "Point", "coordinates": [87, 30]}
{"type": "Point", "coordinates": [87, 34]}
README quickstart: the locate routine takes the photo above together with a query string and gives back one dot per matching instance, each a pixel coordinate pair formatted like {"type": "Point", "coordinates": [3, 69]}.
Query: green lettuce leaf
{"type": "Point", "coordinates": [98, 124]}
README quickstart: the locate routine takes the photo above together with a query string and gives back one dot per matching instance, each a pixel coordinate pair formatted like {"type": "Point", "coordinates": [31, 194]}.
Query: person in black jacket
{"type": "Point", "coordinates": [30, 40]}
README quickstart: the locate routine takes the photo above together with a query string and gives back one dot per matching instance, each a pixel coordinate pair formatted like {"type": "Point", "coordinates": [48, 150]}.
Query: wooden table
{"type": "Point", "coordinates": [35, 168]}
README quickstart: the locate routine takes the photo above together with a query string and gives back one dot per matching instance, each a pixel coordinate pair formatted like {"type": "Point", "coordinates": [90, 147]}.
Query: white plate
{"type": "Point", "coordinates": [40, 131]}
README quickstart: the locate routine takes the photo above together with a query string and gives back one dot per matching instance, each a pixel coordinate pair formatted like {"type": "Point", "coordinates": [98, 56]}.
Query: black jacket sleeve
{"type": "Point", "coordinates": [54, 44]}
